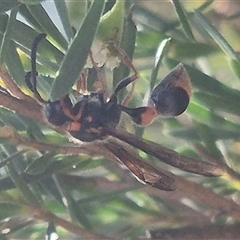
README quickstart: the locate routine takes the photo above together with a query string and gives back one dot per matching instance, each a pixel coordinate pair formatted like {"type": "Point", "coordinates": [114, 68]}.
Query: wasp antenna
{"type": "Point", "coordinates": [33, 74]}
{"type": "Point", "coordinates": [31, 77]}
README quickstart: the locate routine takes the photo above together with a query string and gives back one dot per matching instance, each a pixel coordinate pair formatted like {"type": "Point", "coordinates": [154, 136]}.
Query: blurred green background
{"type": "Point", "coordinates": [95, 194]}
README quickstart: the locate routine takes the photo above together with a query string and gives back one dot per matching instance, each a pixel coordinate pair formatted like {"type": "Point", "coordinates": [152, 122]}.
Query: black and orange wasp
{"type": "Point", "coordinates": [94, 118]}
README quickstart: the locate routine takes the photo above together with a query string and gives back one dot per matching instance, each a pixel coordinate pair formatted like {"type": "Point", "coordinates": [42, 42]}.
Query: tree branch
{"type": "Point", "coordinates": [11, 86]}
{"type": "Point", "coordinates": [73, 228]}
{"type": "Point", "coordinates": [197, 233]}
{"type": "Point", "coordinates": [104, 148]}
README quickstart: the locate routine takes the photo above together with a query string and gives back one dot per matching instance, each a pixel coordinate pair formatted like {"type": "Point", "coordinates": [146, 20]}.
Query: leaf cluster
{"type": "Point", "coordinates": [50, 186]}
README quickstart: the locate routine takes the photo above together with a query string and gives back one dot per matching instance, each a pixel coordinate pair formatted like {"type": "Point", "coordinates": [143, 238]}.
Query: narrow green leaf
{"type": "Point", "coordinates": [191, 50]}
{"type": "Point", "coordinates": [10, 150]}
{"type": "Point", "coordinates": [63, 14]}
{"type": "Point", "coordinates": [207, 136]}
{"type": "Point", "coordinates": [21, 184]}
{"type": "Point", "coordinates": [7, 34]}
{"type": "Point", "coordinates": [187, 135]}
{"type": "Point", "coordinates": [65, 164]}
{"type": "Point", "coordinates": [39, 165]}
{"type": "Point", "coordinates": [24, 11]}
{"type": "Point", "coordinates": [107, 196]}
{"type": "Point", "coordinates": [235, 65]}
{"type": "Point", "coordinates": [78, 214]}
{"type": "Point", "coordinates": [54, 167]}
{"type": "Point", "coordinates": [218, 103]}
{"type": "Point", "coordinates": [218, 38]}
{"type": "Point", "coordinates": [128, 44]}
{"type": "Point", "coordinates": [24, 36]}
{"type": "Point", "coordinates": [183, 19]}
{"type": "Point", "coordinates": [12, 157]}
{"type": "Point", "coordinates": [157, 22]}
{"type": "Point", "coordinates": [77, 53]}
{"type": "Point", "coordinates": [8, 210]}
{"type": "Point", "coordinates": [173, 123]}
{"type": "Point", "coordinates": [161, 51]}
{"type": "Point", "coordinates": [49, 27]}
{"type": "Point", "coordinates": [207, 116]}
{"type": "Point", "coordinates": [9, 118]}
{"type": "Point", "coordinates": [205, 5]}
{"type": "Point", "coordinates": [33, 129]}
{"type": "Point", "coordinates": [30, 2]}
{"type": "Point", "coordinates": [3, 23]}
{"type": "Point", "coordinates": [8, 5]}
{"type": "Point", "coordinates": [111, 22]}
{"type": "Point", "coordinates": [192, 134]}
{"type": "Point", "coordinates": [14, 64]}
{"type": "Point", "coordinates": [52, 186]}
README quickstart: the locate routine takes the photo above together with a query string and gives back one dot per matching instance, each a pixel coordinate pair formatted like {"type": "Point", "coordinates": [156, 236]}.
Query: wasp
{"type": "Point", "coordinates": [89, 118]}
{"type": "Point", "coordinates": [93, 118]}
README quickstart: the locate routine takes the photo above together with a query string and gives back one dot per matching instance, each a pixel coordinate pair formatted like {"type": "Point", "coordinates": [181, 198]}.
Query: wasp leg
{"type": "Point", "coordinates": [100, 74]}
{"type": "Point", "coordinates": [126, 60]}
{"type": "Point", "coordinates": [82, 83]}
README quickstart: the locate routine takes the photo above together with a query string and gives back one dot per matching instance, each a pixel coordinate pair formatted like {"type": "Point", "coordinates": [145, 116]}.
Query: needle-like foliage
{"type": "Point", "coordinates": [188, 166]}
